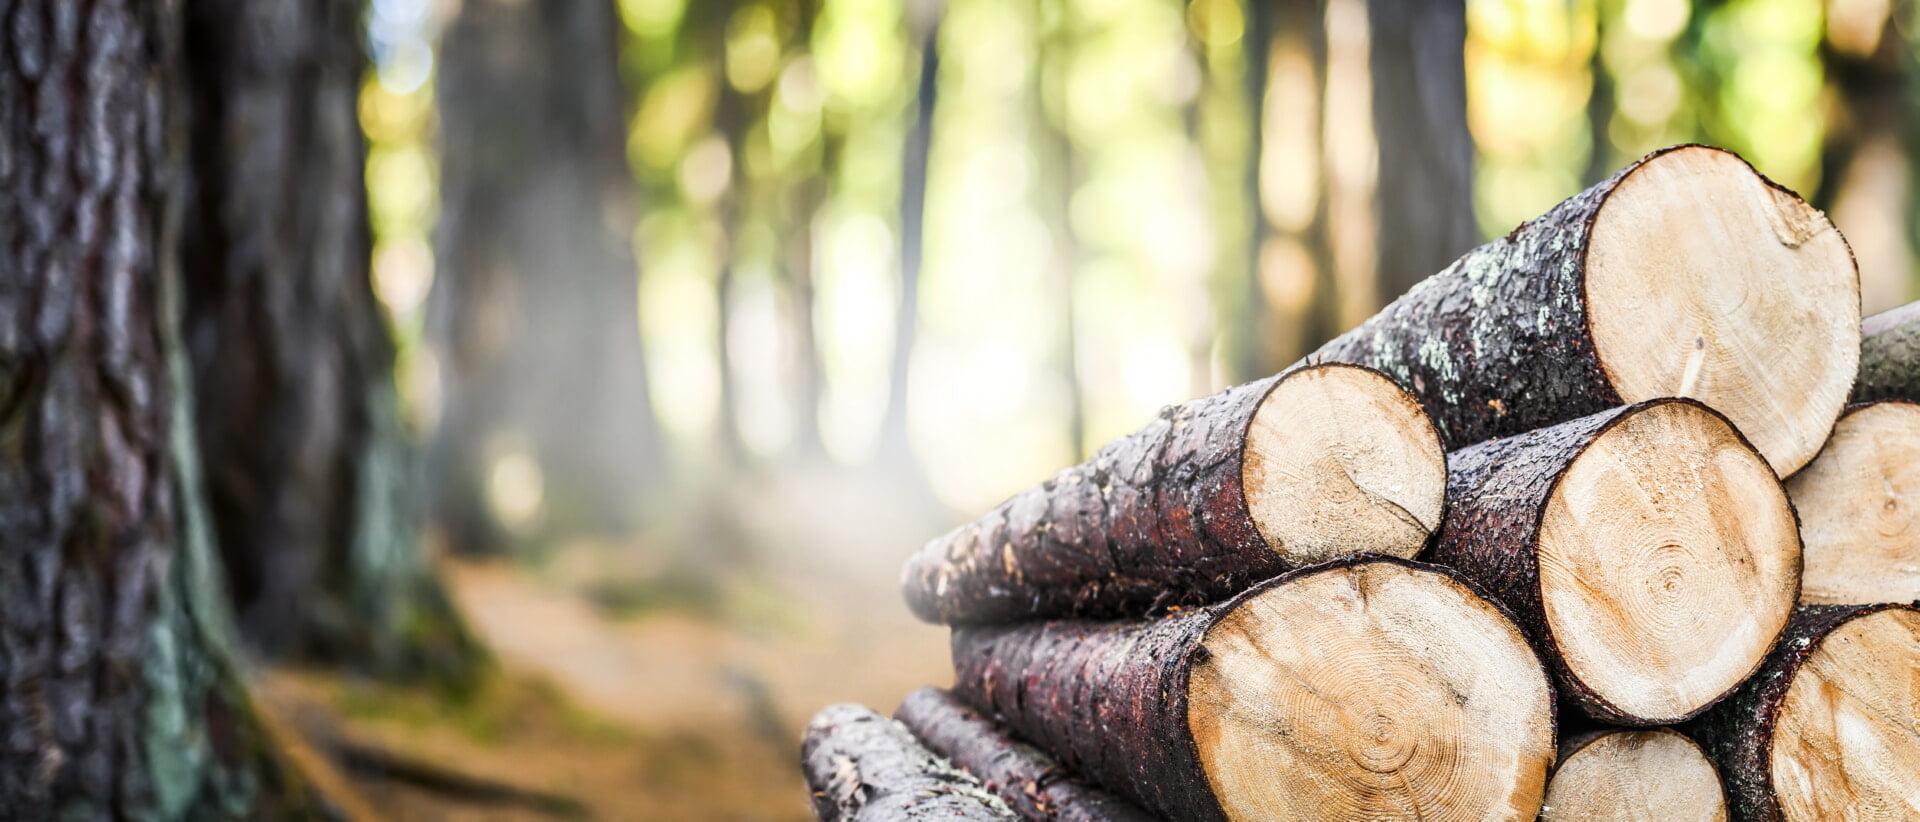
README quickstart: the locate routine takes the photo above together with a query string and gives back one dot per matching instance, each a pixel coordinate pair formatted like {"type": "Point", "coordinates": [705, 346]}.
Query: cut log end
{"type": "Point", "coordinates": [1859, 504]}
{"type": "Point", "coordinates": [1340, 459]}
{"type": "Point", "coordinates": [1846, 743]}
{"type": "Point", "coordinates": [1697, 267]}
{"type": "Point", "coordinates": [1380, 690]}
{"type": "Point", "coordinates": [1669, 560]}
{"type": "Point", "coordinates": [1654, 775]}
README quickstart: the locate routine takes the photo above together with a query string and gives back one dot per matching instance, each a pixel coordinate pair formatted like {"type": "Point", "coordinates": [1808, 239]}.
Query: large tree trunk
{"type": "Point", "coordinates": [1211, 497]}
{"type": "Point", "coordinates": [1685, 274]}
{"type": "Point", "coordinates": [118, 688]}
{"type": "Point", "coordinates": [1648, 551]}
{"type": "Point", "coordinates": [863, 767]}
{"type": "Point", "coordinates": [536, 306]}
{"type": "Point", "coordinates": [1859, 506]}
{"type": "Point", "coordinates": [1425, 195]}
{"type": "Point", "coordinates": [1028, 779]}
{"type": "Point", "coordinates": [1426, 694]}
{"type": "Point", "coordinates": [308, 475]}
{"type": "Point", "coordinates": [1890, 356]}
{"type": "Point", "coordinates": [1825, 729]}
{"type": "Point", "coordinates": [1652, 775]}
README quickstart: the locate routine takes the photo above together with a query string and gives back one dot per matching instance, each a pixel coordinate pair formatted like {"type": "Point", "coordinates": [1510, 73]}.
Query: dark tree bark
{"type": "Point", "coordinates": [1502, 341]}
{"type": "Point", "coordinates": [1890, 356]}
{"type": "Point", "coordinates": [1160, 517]}
{"type": "Point", "coordinates": [1425, 195]}
{"type": "Point", "coordinates": [1500, 497]}
{"type": "Point", "coordinates": [309, 477]}
{"type": "Point", "coordinates": [1739, 733]}
{"type": "Point", "coordinates": [535, 306]}
{"type": "Point", "coordinates": [1122, 702]}
{"type": "Point", "coordinates": [118, 688]}
{"type": "Point", "coordinates": [1029, 780]}
{"type": "Point", "coordinates": [863, 767]}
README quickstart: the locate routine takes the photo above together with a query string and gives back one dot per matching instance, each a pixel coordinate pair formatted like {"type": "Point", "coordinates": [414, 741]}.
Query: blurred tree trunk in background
{"type": "Point", "coordinates": [923, 27]}
{"type": "Point", "coordinates": [1059, 177]}
{"type": "Point", "coordinates": [536, 305]}
{"type": "Point", "coordinates": [1310, 290]}
{"type": "Point", "coordinates": [1867, 159]}
{"type": "Point", "coordinates": [118, 687]}
{"type": "Point", "coordinates": [807, 197]}
{"type": "Point", "coordinates": [1425, 194]}
{"type": "Point", "coordinates": [310, 481]}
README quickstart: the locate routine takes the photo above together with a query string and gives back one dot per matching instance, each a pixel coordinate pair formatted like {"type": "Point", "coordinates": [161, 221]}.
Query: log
{"type": "Point", "coordinates": [1029, 780]}
{"type": "Point", "coordinates": [1890, 355]}
{"type": "Point", "coordinates": [1650, 775]}
{"type": "Point", "coordinates": [1368, 687]}
{"type": "Point", "coordinates": [863, 766]}
{"type": "Point", "coordinates": [1859, 504]}
{"type": "Point", "coordinates": [1648, 551]}
{"type": "Point", "coordinates": [1211, 497]}
{"type": "Point", "coordinates": [1685, 274]}
{"type": "Point", "coordinates": [1830, 727]}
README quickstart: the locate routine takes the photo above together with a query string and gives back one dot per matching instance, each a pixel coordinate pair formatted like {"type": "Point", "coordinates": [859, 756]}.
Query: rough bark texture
{"type": "Point", "coordinates": [1156, 518]}
{"type": "Point", "coordinates": [1029, 780]}
{"type": "Point", "coordinates": [1738, 733]}
{"type": "Point", "coordinates": [534, 307]}
{"type": "Point", "coordinates": [1497, 493]}
{"type": "Point", "coordinates": [1890, 356]}
{"type": "Point", "coordinates": [1498, 343]}
{"type": "Point", "coordinates": [309, 476]}
{"type": "Point", "coordinates": [1110, 698]}
{"type": "Point", "coordinates": [118, 691]}
{"type": "Point", "coordinates": [863, 766]}
{"type": "Point", "coordinates": [1418, 63]}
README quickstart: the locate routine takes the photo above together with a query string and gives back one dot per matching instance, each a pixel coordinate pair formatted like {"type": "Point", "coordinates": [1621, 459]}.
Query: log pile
{"type": "Point", "coordinates": [1581, 527]}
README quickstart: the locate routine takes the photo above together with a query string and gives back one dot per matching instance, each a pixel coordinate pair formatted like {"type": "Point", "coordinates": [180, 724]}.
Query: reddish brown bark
{"type": "Point", "coordinates": [1029, 780]}
{"type": "Point", "coordinates": [863, 766]}
{"type": "Point", "coordinates": [1157, 518]}
{"type": "Point", "coordinates": [1110, 699]}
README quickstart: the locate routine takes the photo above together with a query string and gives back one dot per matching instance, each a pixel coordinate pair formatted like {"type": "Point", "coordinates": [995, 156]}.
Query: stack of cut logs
{"type": "Point", "coordinates": [1516, 547]}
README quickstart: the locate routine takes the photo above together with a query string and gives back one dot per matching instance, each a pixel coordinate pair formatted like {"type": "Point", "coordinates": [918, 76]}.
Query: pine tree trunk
{"type": "Point", "coordinates": [1209, 498]}
{"type": "Point", "coordinates": [1825, 729]}
{"type": "Point", "coordinates": [863, 767]}
{"type": "Point", "coordinates": [309, 476]}
{"type": "Point", "coordinates": [1425, 198]}
{"type": "Point", "coordinates": [536, 297]}
{"type": "Point", "coordinates": [1890, 356]}
{"type": "Point", "coordinates": [1648, 551]}
{"type": "Point", "coordinates": [1028, 779]}
{"type": "Point", "coordinates": [1427, 693]}
{"type": "Point", "coordinates": [1581, 309]}
{"type": "Point", "coordinates": [118, 687]}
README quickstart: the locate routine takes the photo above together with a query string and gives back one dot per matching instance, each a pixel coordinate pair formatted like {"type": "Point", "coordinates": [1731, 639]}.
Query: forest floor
{"type": "Point", "coordinates": [614, 706]}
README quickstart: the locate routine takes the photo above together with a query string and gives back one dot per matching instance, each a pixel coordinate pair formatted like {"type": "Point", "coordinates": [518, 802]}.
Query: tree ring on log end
{"type": "Point", "coordinates": [1846, 742]}
{"type": "Point", "coordinates": [1705, 280]}
{"type": "Point", "coordinates": [1370, 690]}
{"type": "Point", "coordinates": [1859, 504]}
{"type": "Point", "coordinates": [1340, 460]}
{"type": "Point", "coordinates": [1669, 561]}
{"type": "Point", "coordinates": [1654, 775]}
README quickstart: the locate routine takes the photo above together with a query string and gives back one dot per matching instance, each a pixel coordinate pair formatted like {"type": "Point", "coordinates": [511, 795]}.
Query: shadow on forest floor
{"type": "Point", "coordinates": [652, 713]}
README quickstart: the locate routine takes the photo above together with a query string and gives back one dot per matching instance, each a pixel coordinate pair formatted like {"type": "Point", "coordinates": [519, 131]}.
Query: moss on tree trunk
{"type": "Point", "coordinates": [118, 687]}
